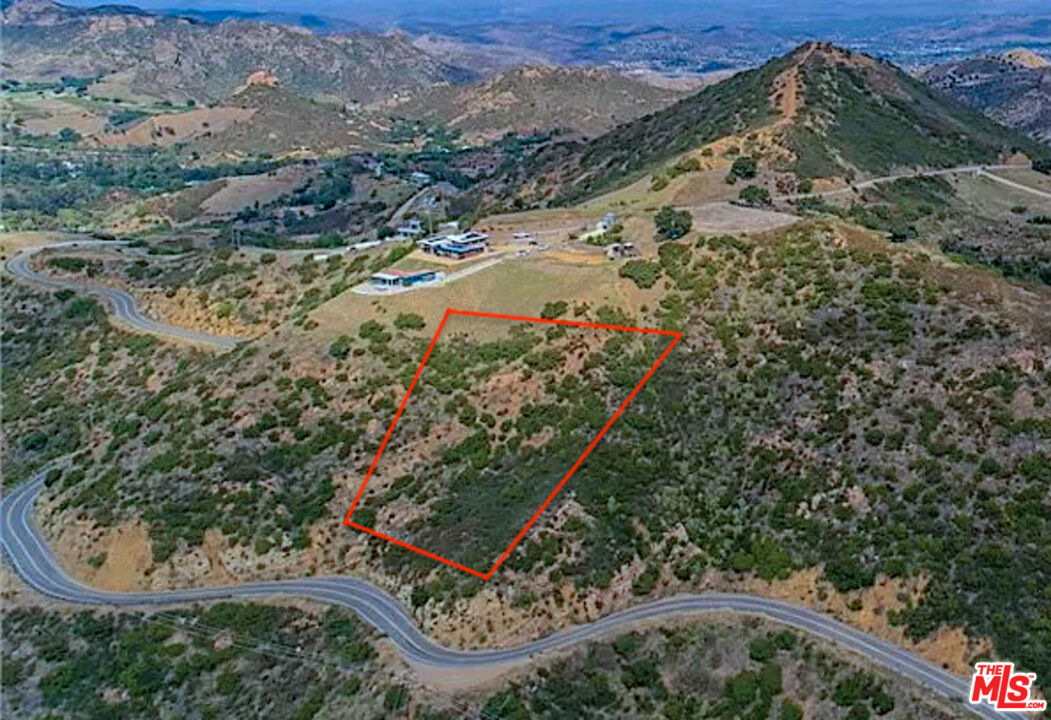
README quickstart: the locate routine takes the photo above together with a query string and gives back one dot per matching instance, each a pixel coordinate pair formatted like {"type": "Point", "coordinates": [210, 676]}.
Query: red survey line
{"type": "Point", "coordinates": [676, 336]}
{"type": "Point", "coordinates": [556, 321]}
{"type": "Point", "coordinates": [421, 551]}
{"type": "Point", "coordinates": [580, 460]}
{"type": "Point", "coordinates": [397, 415]}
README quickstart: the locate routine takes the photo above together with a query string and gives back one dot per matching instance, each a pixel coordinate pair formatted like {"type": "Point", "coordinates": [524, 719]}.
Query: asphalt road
{"type": "Point", "coordinates": [125, 306]}
{"type": "Point", "coordinates": [28, 553]}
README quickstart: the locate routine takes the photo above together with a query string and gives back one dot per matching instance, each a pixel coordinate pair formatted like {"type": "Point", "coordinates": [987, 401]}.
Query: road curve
{"type": "Point", "coordinates": [1017, 185]}
{"type": "Point", "coordinates": [871, 182]}
{"type": "Point", "coordinates": [28, 553]}
{"type": "Point", "coordinates": [125, 306]}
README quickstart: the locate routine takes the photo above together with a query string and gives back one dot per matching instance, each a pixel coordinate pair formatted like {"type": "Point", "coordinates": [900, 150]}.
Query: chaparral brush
{"type": "Point", "coordinates": [586, 361]}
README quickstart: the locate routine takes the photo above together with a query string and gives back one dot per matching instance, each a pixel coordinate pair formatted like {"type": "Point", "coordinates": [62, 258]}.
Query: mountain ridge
{"type": "Point", "coordinates": [521, 100]}
{"type": "Point", "coordinates": [178, 59]}
{"type": "Point", "coordinates": [827, 112]}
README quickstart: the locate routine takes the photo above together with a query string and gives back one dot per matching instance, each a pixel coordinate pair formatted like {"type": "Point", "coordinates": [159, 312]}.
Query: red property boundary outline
{"type": "Point", "coordinates": [676, 336]}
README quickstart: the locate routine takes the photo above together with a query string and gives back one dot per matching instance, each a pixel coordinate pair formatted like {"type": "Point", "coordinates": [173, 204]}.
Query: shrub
{"type": "Point", "coordinates": [643, 272]}
{"type": "Point", "coordinates": [755, 194]}
{"type": "Point", "coordinates": [672, 224]}
{"type": "Point", "coordinates": [554, 310]}
{"type": "Point", "coordinates": [395, 697]}
{"type": "Point", "coordinates": [882, 703]}
{"type": "Point", "coordinates": [505, 706]}
{"type": "Point", "coordinates": [373, 332]}
{"type": "Point", "coordinates": [645, 582]}
{"type": "Point", "coordinates": [409, 321]}
{"type": "Point", "coordinates": [761, 649]}
{"type": "Point", "coordinates": [340, 347]}
{"type": "Point", "coordinates": [73, 264]}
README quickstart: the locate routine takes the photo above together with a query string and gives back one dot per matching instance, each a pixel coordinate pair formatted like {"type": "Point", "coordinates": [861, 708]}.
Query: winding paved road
{"type": "Point", "coordinates": [125, 306]}
{"type": "Point", "coordinates": [29, 554]}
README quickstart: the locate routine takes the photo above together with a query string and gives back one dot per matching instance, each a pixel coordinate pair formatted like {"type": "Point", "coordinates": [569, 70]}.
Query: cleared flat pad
{"type": "Point", "coordinates": [724, 217]}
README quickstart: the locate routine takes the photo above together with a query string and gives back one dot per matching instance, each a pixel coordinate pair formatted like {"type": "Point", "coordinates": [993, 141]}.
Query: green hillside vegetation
{"type": "Point", "coordinates": [43, 40]}
{"type": "Point", "coordinates": [874, 117]}
{"type": "Point", "coordinates": [854, 114]}
{"type": "Point", "coordinates": [574, 171]}
{"type": "Point", "coordinates": [483, 489]}
{"type": "Point", "coordinates": [926, 464]}
{"type": "Point", "coordinates": [896, 207]}
{"type": "Point", "coordinates": [884, 383]}
{"type": "Point", "coordinates": [929, 208]}
{"type": "Point", "coordinates": [229, 660]}
{"type": "Point", "coordinates": [275, 663]}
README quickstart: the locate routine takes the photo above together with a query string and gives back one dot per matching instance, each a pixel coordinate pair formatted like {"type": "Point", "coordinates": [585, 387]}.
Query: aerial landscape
{"type": "Point", "coordinates": [516, 360]}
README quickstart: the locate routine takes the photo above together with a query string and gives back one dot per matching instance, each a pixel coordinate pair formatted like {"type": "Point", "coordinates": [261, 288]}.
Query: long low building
{"type": "Point", "coordinates": [405, 278]}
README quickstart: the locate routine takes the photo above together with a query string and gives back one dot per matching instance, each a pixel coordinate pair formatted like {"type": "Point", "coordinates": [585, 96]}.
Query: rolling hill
{"type": "Point", "coordinates": [1013, 88]}
{"type": "Point", "coordinates": [179, 59]}
{"type": "Point", "coordinates": [586, 100]}
{"type": "Point", "coordinates": [824, 111]}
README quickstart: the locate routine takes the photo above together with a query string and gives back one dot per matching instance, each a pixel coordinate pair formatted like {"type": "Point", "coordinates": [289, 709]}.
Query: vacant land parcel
{"type": "Point", "coordinates": [456, 490]}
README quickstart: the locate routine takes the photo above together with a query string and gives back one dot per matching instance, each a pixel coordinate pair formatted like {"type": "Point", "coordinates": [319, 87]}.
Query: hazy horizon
{"type": "Point", "coordinates": [822, 15]}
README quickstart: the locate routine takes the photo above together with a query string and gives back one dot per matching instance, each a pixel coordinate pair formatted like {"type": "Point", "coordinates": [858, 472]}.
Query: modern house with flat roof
{"type": "Point", "coordinates": [391, 279]}
{"type": "Point", "coordinates": [412, 228]}
{"type": "Point", "coordinates": [457, 246]}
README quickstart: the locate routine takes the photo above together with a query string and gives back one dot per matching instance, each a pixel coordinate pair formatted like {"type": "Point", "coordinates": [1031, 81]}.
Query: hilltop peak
{"type": "Point", "coordinates": [823, 111]}
{"type": "Point", "coordinates": [48, 12]}
{"type": "Point", "coordinates": [29, 11]}
{"type": "Point", "coordinates": [816, 53]}
{"type": "Point", "coordinates": [1024, 58]}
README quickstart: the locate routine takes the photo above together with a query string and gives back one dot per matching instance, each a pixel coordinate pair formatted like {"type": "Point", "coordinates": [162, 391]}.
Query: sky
{"type": "Point", "coordinates": [821, 13]}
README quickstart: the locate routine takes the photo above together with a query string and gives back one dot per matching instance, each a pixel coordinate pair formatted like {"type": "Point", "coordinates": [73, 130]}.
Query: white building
{"type": "Point", "coordinates": [410, 229]}
{"type": "Point", "coordinates": [608, 220]}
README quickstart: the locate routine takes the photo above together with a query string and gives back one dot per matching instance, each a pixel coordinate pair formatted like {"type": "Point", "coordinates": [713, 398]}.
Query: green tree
{"type": "Point", "coordinates": [505, 706]}
{"type": "Point", "coordinates": [761, 649]}
{"type": "Point", "coordinates": [672, 224]}
{"type": "Point", "coordinates": [554, 310]}
{"type": "Point", "coordinates": [68, 135]}
{"type": "Point", "coordinates": [755, 194]}
{"type": "Point", "coordinates": [744, 168]}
